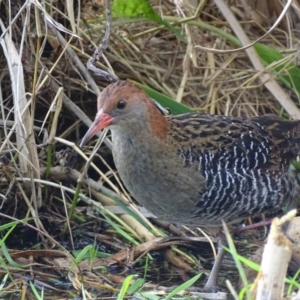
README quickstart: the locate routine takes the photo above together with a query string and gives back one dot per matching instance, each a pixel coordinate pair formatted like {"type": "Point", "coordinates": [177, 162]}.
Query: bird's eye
{"type": "Point", "coordinates": [121, 104]}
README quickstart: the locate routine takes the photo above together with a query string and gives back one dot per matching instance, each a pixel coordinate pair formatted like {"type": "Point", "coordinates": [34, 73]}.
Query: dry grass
{"type": "Point", "coordinates": [41, 165]}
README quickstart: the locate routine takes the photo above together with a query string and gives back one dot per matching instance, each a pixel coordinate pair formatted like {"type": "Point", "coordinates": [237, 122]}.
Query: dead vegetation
{"type": "Point", "coordinates": [58, 217]}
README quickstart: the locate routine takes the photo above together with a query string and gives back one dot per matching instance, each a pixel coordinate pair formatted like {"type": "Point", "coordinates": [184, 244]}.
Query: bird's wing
{"type": "Point", "coordinates": [265, 142]}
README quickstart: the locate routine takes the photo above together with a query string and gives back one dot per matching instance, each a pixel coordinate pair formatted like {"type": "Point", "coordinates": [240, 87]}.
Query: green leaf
{"type": "Point", "coordinates": [136, 286]}
{"type": "Point", "coordinates": [296, 165]}
{"type": "Point", "coordinates": [134, 8]}
{"type": "Point", "coordinates": [4, 281]}
{"type": "Point", "coordinates": [9, 259]}
{"type": "Point", "coordinates": [86, 251]}
{"type": "Point", "coordinates": [131, 8]}
{"type": "Point", "coordinates": [183, 286]}
{"type": "Point", "coordinates": [293, 283]}
{"type": "Point", "coordinates": [128, 210]}
{"type": "Point", "coordinates": [148, 295]}
{"type": "Point", "coordinates": [175, 107]}
{"type": "Point", "coordinates": [238, 264]}
{"type": "Point", "coordinates": [288, 72]}
{"type": "Point", "coordinates": [122, 232]}
{"type": "Point", "coordinates": [125, 287]}
{"type": "Point", "coordinates": [35, 292]}
{"type": "Point", "coordinates": [88, 255]}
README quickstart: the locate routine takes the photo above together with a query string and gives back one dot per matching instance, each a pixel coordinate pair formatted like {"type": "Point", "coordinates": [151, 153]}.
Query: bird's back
{"type": "Point", "coordinates": [264, 142]}
{"type": "Point", "coordinates": [245, 162]}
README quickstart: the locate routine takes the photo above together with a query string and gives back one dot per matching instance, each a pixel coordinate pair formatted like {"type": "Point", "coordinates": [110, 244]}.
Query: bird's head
{"type": "Point", "coordinates": [123, 106]}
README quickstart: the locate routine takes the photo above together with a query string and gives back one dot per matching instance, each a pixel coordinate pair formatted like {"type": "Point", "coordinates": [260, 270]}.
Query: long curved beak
{"type": "Point", "coordinates": [102, 120]}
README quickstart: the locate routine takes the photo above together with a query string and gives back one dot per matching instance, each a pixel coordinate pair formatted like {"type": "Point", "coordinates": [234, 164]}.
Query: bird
{"type": "Point", "coordinates": [198, 169]}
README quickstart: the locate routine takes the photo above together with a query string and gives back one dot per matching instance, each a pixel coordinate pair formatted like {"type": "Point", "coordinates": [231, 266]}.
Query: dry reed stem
{"type": "Point", "coordinates": [269, 283]}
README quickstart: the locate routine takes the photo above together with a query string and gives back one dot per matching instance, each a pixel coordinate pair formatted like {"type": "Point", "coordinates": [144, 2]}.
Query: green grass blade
{"type": "Point", "coordinates": [35, 292]}
{"type": "Point", "coordinates": [128, 211]}
{"type": "Point", "coordinates": [293, 284]}
{"type": "Point", "coordinates": [9, 259]}
{"type": "Point", "coordinates": [175, 107]}
{"type": "Point", "coordinates": [134, 8]}
{"type": "Point", "coordinates": [136, 286]}
{"type": "Point", "coordinates": [237, 262]}
{"type": "Point", "coordinates": [183, 286]}
{"type": "Point", "coordinates": [87, 250]}
{"type": "Point", "coordinates": [288, 72]}
{"type": "Point", "coordinates": [4, 281]}
{"type": "Point", "coordinates": [123, 233]}
{"type": "Point", "coordinates": [125, 287]}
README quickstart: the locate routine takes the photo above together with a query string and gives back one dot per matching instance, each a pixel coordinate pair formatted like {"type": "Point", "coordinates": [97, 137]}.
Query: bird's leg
{"type": "Point", "coordinates": [211, 284]}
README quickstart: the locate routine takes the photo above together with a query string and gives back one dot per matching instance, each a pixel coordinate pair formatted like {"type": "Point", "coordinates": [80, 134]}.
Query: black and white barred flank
{"type": "Point", "coordinates": [245, 163]}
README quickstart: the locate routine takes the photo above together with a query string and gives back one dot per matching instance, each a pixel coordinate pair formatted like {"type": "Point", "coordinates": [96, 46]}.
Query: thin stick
{"type": "Point", "coordinates": [99, 51]}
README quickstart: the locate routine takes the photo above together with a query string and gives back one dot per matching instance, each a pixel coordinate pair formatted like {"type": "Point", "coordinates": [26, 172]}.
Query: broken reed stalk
{"type": "Point", "coordinates": [269, 283]}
